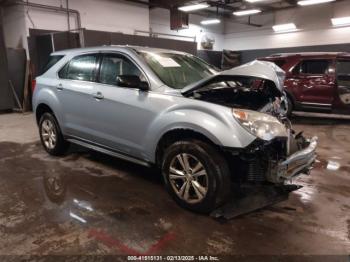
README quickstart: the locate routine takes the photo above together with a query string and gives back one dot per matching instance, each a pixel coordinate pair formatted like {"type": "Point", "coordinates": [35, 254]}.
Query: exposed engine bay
{"type": "Point", "coordinates": [243, 92]}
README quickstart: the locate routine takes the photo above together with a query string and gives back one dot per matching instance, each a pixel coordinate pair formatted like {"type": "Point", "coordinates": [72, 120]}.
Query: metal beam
{"type": "Point", "coordinates": [50, 8]}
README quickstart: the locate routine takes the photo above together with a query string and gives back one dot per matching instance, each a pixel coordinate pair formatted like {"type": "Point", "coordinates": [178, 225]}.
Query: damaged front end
{"type": "Point", "coordinates": [263, 171]}
{"type": "Point", "coordinates": [255, 92]}
{"type": "Point", "coordinates": [276, 161]}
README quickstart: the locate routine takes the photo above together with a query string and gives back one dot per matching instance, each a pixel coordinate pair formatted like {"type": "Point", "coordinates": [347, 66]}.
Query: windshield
{"type": "Point", "coordinates": [178, 70]}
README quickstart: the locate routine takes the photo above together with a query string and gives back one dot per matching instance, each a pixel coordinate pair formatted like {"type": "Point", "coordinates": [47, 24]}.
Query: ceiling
{"type": "Point", "coordinates": [223, 8]}
{"type": "Point", "coordinates": [231, 5]}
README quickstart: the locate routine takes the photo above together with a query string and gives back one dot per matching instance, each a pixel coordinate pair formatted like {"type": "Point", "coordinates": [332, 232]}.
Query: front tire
{"type": "Point", "coordinates": [51, 136]}
{"type": "Point", "coordinates": [288, 107]}
{"type": "Point", "coordinates": [196, 175]}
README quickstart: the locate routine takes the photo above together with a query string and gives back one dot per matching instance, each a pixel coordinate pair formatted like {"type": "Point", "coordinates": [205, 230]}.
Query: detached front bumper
{"type": "Point", "coordinates": [298, 163]}
{"type": "Point", "coordinates": [266, 161]}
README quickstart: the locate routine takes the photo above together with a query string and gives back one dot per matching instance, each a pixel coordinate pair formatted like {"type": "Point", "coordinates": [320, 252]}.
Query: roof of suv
{"type": "Point", "coordinates": [310, 54]}
{"type": "Point", "coordinates": [116, 47]}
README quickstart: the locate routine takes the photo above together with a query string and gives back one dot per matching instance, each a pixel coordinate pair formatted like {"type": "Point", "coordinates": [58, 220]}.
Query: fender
{"type": "Point", "coordinates": [219, 126]}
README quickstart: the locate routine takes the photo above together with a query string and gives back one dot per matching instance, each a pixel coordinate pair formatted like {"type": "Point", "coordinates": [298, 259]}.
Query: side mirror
{"type": "Point", "coordinates": [132, 81]}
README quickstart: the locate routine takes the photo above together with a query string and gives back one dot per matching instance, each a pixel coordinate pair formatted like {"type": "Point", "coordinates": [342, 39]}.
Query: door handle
{"type": "Point", "coordinates": [59, 87]}
{"type": "Point", "coordinates": [98, 96]}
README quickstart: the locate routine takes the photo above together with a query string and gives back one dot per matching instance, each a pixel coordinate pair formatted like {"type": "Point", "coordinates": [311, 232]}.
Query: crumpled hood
{"type": "Point", "coordinates": [256, 69]}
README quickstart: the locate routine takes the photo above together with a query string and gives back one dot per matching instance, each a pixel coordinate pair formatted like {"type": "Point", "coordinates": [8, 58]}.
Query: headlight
{"type": "Point", "coordinates": [261, 125]}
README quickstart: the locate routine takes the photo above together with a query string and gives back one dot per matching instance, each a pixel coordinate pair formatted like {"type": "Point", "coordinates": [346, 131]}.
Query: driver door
{"type": "Point", "coordinates": [121, 114]}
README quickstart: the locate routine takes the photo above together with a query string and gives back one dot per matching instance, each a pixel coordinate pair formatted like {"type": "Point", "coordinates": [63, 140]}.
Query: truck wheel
{"type": "Point", "coordinates": [51, 136]}
{"type": "Point", "coordinates": [196, 175]}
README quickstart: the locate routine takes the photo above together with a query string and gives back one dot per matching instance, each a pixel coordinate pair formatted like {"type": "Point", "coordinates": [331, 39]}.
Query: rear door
{"type": "Point", "coordinates": [75, 91]}
{"type": "Point", "coordinates": [315, 83]}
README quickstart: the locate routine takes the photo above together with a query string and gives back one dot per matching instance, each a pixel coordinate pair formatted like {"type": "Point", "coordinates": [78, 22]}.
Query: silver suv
{"type": "Point", "coordinates": [206, 130]}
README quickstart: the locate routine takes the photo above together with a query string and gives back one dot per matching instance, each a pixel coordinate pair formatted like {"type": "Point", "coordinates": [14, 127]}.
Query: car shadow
{"type": "Point", "coordinates": [151, 174]}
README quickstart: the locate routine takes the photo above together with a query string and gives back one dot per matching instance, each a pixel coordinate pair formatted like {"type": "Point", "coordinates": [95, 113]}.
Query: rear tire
{"type": "Point", "coordinates": [51, 136]}
{"type": "Point", "coordinates": [196, 175]}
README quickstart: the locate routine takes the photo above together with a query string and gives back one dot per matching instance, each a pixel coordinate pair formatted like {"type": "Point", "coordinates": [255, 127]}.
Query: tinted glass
{"type": "Point", "coordinates": [63, 72]}
{"type": "Point", "coordinates": [178, 70]}
{"type": "Point", "coordinates": [116, 65]}
{"type": "Point", "coordinates": [315, 67]}
{"type": "Point", "coordinates": [52, 61]}
{"type": "Point", "coordinates": [343, 67]}
{"type": "Point", "coordinates": [296, 69]}
{"type": "Point", "coordinates": [80, 68]}
{"type": "Point", "coordinates": [343, 80]}
{"type": "Point", "coordinates": [280, 63]}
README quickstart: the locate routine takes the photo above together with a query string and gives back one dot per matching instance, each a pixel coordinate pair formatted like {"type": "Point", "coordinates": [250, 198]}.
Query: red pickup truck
{"type": "Point", "coordinates": [316, 82]}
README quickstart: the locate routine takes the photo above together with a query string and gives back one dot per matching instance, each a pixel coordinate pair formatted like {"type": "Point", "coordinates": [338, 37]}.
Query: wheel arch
{"type": "Point", "coordinates": [41, 109]}
{"type": "Point", "coordinates": [177, 134]}
{"type": "Point", "coordinates": [291, 97]}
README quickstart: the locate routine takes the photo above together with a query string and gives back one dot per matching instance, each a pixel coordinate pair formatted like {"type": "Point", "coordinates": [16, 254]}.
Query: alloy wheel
{"type": "Point", "coordinates": [48, 133]}
{"type": "Point", "coordinates": [188, 178]}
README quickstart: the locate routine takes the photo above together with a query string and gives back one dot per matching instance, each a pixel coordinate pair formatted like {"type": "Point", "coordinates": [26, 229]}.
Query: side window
{"type": "Point", "coordinates": [280, 62]}
{"type": "Point", "coordinates": [343, 68]}
{"type": "Point", "coordinates": [296, 69]}
{"type": "Point", "coordinates": [80, 68]}
{"type": "Point", "coordinates": [63, 72]}
{"type": "Point", "coordinates": [113, 65]}
{"type": "Point", "coordinates": [314, 67]}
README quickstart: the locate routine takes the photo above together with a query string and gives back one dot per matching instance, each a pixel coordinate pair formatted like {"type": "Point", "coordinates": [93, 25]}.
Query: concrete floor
{"type": "Point", "coordinates": [114, 207]}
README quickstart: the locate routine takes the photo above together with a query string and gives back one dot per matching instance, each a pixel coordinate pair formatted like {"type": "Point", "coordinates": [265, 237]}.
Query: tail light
{"type": "Point", "coordinates": [33, 85]}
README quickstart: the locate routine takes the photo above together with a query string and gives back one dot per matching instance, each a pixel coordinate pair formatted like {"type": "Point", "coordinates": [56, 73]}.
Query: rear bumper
{"type": "Point", "coordinates": [298, 163]}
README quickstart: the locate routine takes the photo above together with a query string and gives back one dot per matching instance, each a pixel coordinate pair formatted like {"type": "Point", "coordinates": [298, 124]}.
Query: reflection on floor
{"type": "Point", "coordinates": [89, 203]}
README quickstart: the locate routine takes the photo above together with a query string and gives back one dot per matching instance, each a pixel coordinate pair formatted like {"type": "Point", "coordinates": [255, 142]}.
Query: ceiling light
{"type": "Point", "coordinates": [247, 12]}
{"type": "Point", "coordinates": [254, 1]}
{"type": "Point", "coordinates": [210, 22]}
{"type": "Point", "coordinates": [340, 21]}
{"type": "Point", "coordinates": [313, 2]}
{"type": "Point", "coordinates": [284, 27]}
{"type": "Point", "coordinates": [189, 8]}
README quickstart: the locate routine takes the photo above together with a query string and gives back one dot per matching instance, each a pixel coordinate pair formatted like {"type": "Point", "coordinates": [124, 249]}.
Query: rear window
{"type": "Point", "coordinates": [52, 61]}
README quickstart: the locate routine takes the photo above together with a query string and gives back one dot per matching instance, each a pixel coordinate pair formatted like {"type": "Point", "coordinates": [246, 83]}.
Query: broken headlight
{"type": "Point", "coordinates": [261, 125]}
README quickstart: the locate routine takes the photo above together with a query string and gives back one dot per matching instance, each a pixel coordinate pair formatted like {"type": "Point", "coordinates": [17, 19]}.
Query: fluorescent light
{"type": "Point", "coordinates": [254, 1]}
{"type": "Point", "coordinates": [210, 22]}
{"type": "Point", "coordinates": [247, 12]}
{"type": "Point", "coordinates": [284, 27]}
{"type": "Point", "coordinates": [341, 21]}
{"type": "Point", "coordinates": [313, 2]}
{"type": "Point", "coordinates": [189, 8]}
